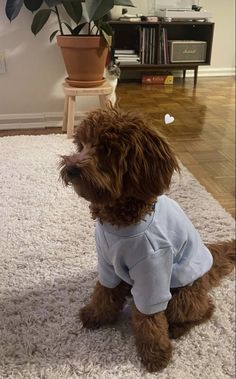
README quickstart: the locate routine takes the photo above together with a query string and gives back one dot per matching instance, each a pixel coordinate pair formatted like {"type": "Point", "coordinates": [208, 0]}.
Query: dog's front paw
{"type": "Point", "coordinates": [155, 357]}
{"type": "Point", "coordinates": [89, 317]}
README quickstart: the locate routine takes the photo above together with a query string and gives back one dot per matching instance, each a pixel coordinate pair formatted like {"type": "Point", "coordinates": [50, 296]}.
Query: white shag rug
{"type": "Point", "coordinates": [48, 270]}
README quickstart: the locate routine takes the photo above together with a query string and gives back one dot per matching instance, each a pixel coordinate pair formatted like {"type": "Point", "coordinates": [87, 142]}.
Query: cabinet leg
{"type": "Point", "coordinates": [71, 116]}
{"type": "Point", "coordinates": [195, 75]}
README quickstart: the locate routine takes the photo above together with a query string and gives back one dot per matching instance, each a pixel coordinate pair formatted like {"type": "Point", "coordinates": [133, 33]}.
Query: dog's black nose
{"type": "Point", "coordinates": [72, 171]}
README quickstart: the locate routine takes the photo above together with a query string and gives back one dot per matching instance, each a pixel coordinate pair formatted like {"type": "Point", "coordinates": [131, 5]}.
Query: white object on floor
{"type": "Point", "coordinates": [168, 119]}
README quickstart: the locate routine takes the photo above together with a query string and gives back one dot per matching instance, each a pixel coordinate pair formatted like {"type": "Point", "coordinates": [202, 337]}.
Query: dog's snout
{"type": "Point", "coordinates": [72, 171]}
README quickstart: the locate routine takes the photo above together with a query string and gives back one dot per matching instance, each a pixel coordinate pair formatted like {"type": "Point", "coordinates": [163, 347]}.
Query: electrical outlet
{"type": "Point", "coordinates": [3, 68]}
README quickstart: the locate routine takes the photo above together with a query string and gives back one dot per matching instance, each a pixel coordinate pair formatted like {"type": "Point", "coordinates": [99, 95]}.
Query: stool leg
{"type": "Point", "coordinates": [195, 75]}
{"type": "Point", "coordinates": [71, 116]}
{"type": "Point", "coordinates": [65, 115]}
{"type": "Point", "coordinates": [104, 100]}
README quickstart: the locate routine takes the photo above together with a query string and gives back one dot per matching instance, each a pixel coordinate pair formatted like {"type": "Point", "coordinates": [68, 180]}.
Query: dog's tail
{"type": "Point", "coordinates": [224, 258]}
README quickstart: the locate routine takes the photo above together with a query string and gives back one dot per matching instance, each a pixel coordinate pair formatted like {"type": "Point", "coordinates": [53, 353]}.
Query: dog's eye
{"type": "Point", "coordinates": [80, 146]}
{"type": "Point", "coordinates": [103, 149]}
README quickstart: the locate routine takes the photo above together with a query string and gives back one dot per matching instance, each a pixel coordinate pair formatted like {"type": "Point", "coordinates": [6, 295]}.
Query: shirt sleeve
{"type": "Point", "coordinates": [106, 273]}
{"type": "Point", "coordinates": [151, 281]}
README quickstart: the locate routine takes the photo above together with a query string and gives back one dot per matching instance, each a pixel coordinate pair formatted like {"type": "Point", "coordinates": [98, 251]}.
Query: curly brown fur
{"type": "Point", "coordinates": [127, 212]}
{"type": "Point", "coordinates": [223, 263]}
{"type": "Point", "coordinates": [191, 305]}
{"type": "Point", "coordinates": [104, 306]}
{"type": "Point", "coordinates": [121, 165]}
{"type": "Point", "coordinates": [188, 307]}
{"type": "Point", "coordinates": [152, 340]}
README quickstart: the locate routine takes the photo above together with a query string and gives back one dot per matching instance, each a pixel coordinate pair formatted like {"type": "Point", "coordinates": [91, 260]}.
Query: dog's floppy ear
{"type": "Point", "coordinates": [152, 164]}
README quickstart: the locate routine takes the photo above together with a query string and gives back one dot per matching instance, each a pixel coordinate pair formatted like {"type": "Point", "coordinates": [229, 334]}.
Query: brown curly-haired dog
{"type": "Point", "coordinates": [122, 167]}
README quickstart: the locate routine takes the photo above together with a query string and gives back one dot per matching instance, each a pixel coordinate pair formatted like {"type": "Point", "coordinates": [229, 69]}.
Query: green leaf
{"type": "Point", "coordinates": [78, 29]}
{"type": "Point", "coordinates": [98, 8]}
{"type": "Point", "coordinates": [13, 8]}
{"type": "Point", "coordinates": [126, 3]}
{"type": "Point", "coordinates": [68, 26]}
{"type": "Point", "coordinates": [33, 5]}
{"type": "Point", "coordinates": [105, 30]}
{"type": "Point", "coordinates": [40, 20]}
{"type": "Point", "coordinates": [104, 26]}
{"type": "Point", "coordinates": [74, 9]}
{"type": "Point", "coordinates": [52, 3]}
{"type": "Point", "coordinates": [53, 35]}
{"type": "Point", "coordinates": [107, 37]}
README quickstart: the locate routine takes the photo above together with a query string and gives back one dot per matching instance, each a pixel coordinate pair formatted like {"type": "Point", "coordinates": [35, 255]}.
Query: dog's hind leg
{"type": "Point", "coordinates": [224, 258]}
{"type": "Point", "coordinates": [192, 305]}
{"type": "Point", "coordinates": [189, 306]}
{"type": "Point", "coordinates": [104, 306]}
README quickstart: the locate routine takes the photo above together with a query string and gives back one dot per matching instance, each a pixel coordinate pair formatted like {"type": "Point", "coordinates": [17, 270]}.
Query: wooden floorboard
{"type": "Point", "coordinates": [203, 133]}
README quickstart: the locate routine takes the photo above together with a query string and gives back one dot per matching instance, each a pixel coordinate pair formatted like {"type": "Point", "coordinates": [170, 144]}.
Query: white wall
{"type": "Point", "coordinates": [223, 53]}
{"type": "Point", "coordinates": [35, 70]}
{"type": "Point", "coordinates": [32, 84]}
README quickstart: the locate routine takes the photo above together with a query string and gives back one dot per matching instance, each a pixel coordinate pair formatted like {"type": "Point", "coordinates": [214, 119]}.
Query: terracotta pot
{"type": "Point", "coordinates": [85, 58]}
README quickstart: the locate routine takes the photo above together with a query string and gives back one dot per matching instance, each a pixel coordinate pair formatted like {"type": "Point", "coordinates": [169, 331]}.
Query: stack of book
{"type": "Point", "coordinates": [126, 57]}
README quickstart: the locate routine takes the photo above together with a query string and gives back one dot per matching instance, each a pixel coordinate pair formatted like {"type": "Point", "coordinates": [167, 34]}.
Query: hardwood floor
{"type": "Point", "coordinates": [203, 133]}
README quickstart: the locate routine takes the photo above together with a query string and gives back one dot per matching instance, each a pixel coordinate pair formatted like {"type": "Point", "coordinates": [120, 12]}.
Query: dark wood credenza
{"type": "Point", "coordinates": [128, 35]}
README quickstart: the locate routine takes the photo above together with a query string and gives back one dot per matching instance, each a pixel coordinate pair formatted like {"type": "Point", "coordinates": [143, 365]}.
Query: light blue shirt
{"type": "Point", "coordinates": [161, 252]}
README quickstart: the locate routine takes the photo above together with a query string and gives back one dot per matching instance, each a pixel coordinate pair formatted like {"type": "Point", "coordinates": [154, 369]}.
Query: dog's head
{"type": "Point", "coordinates": [119, 156]}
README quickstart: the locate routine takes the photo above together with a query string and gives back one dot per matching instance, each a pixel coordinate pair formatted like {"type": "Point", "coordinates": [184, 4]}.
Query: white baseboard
{"type": "Point", "coordinates": [54, 119]}
{"type": "Point", "coordinates": [35, 120]}
{"type": "Point", "coordinates": [208, 71]}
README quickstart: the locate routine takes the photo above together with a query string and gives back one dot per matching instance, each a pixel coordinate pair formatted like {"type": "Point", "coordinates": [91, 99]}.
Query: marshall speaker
{"type": "Point", "coordinates": [187, 51]}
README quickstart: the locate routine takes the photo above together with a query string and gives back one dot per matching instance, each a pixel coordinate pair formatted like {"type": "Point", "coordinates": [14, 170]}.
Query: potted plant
{"type": "Point", "coordinates": [84, 40]}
